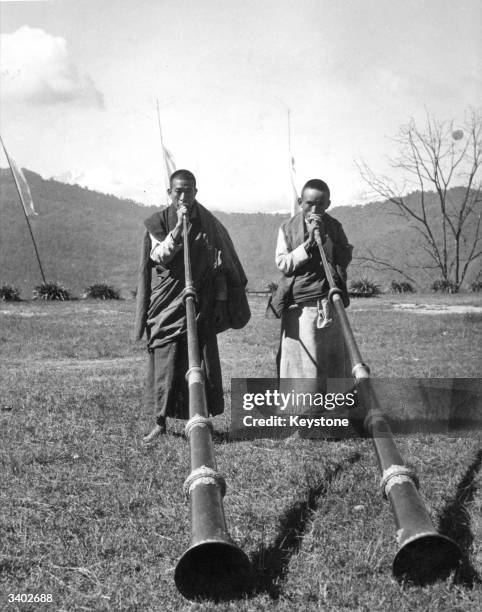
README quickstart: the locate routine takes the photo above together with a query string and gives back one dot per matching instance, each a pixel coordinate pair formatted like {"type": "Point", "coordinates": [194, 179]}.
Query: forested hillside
{"type": "Point", "coordinates": [84, 237]}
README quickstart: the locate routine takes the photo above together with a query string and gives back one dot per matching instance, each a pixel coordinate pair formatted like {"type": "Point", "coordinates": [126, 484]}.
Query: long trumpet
{"type": "Point", "coordinates": [424, 555]}
{"type": "Point", "coordinates": [213, 567]}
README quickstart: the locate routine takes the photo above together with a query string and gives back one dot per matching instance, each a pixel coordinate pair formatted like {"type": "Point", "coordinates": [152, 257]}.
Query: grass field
{"type": "Point", "coordinates": [92, 517]}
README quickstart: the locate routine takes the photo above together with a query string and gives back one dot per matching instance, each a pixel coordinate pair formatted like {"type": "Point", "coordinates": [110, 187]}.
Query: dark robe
{"type": "Point", "coordinates": [161, 313]}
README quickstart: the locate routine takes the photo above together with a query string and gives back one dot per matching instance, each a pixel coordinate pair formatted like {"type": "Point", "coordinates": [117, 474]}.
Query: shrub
{"type": "Point", "coordinates": [101, 291]}
{"type": "Point", "coordinates": [444, 286]}
{"type": "Point", "coordinates": [407, 287]}
{"type": "Point", "coordinates": [9, 294]}
{"type": "Point", "coordinates": [402, 287]}
{"type": "Point", "coordinates": [476, 286]}
{"type": "Point", "coordinates": [364, 288]}
{"type": "Point", "coordinates": [51, 291]}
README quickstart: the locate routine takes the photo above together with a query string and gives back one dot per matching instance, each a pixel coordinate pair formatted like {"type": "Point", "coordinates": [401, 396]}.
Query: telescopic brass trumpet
{"type": "Point", "coordinates": [213, 567]}
{"type": "Point", "coordinates": [424, 554]}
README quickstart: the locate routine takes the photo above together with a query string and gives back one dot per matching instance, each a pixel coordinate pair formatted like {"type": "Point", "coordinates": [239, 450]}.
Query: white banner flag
{"type": "Point", "coordinates": [22, 185]}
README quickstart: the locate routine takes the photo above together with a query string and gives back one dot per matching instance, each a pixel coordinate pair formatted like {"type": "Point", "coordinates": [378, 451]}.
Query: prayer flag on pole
{"type": "Point", "coordinates": [21, 184]}
{"type": "Point", "coordinates": [294, 203]}
{"type": "Point", "coordinates": [25, 196]}
{"type": "Point", "coordinates": [169, 165]}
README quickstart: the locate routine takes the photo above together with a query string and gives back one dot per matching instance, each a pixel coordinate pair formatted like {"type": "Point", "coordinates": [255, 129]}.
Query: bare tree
{"type": "Point", "coordinates": [448, 221]}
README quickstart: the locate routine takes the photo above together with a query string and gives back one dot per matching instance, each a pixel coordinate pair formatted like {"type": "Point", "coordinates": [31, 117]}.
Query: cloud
{"type": "Point", "coordinates": [37, 68]}
{"type": "Point", "coordinates": [99, 178]}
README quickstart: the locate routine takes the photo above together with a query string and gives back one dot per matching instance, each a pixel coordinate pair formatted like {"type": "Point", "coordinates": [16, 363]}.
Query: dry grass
{"type": "Point", "coordinates": [99, 521]}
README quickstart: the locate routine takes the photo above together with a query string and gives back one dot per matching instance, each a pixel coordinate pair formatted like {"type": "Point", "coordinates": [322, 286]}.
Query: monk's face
{"type": "Point", "coordinates": [314, 201]}
{"type": "Point", "coordinates": [182, 191]}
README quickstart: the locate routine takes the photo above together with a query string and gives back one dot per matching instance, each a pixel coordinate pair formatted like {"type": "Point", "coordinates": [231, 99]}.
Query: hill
{"type": "Point", "coordinates": [84, 237]}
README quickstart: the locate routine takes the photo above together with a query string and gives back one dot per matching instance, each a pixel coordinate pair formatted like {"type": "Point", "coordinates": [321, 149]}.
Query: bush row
{"type": "Point", "coordinates": [101, 291]}
{"type": "Point", "coordinates": [367, 288]}
{"type": "Point", "coordinates": [57, 292]}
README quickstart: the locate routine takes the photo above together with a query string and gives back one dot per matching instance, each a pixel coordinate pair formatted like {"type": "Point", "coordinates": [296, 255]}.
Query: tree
{"type": "Point", "coordinates": [448, 221]}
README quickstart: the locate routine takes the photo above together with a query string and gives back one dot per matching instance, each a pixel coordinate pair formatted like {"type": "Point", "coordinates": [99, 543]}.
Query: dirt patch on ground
{"type": "Point", "coordinates": [35, 313]}
{"type": "Point", "coordinates": [23, 313]}
{"type": "Point", "coordinates": [438, 309]}
{"type": "Point", "coordinates": [119, 362]}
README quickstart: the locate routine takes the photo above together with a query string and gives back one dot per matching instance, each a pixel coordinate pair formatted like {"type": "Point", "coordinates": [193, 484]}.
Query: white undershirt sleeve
{"type": "Point", "coordinates": [288, 262]}
{"type": "Point", "coordinates": [162, 251]}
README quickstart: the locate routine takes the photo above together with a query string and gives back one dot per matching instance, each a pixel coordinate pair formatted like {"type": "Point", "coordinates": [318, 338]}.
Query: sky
{"type": "Point", "coordinates": [80, 80]}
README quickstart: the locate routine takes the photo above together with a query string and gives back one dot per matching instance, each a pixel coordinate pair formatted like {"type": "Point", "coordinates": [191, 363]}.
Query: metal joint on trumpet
{"type": "Point", "coordinates": [189, 291]}
{"type": "Point", "coordinates": [198, 421]}
{"type": "Point", "coordinates": [204, 475]}
{"type": "Point", "coordinates": [360, 370]}
{"type": "Point", "coordinates": [397, 474]}
{"type": "Point", "coordinates": [334, 291]}
{"type": "Point", "coordinates": [195, 375]}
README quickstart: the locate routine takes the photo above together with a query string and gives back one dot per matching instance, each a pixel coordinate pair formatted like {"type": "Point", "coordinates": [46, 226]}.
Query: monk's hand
{"type": "Point", "coordinates": [220, 313]}
{"type": "Point", "coordinates": [182, 211]}
{"type": "Point", "coordinates": [314, 222]}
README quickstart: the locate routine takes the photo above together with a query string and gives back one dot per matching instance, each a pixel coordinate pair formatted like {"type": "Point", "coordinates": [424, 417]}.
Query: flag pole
{"type": "Point", "coordinates": [291, 163]}
{"type": "Point", "coordinates": [19, 191]}
{"type": "Point", "coordinates": [166, 173]}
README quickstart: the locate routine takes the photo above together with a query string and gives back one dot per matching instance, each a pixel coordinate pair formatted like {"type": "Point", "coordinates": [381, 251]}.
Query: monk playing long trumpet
{"type": "Point", "coordinates": [313, 251]}
{"type": "Point", "coordinates": [311, 342]}
{"type": "Point", "coordinates": [220, 285]}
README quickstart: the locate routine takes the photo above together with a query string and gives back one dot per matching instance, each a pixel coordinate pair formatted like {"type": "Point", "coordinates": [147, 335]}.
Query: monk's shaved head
{"type": "Point", "coordinates": [185, 175]}
{"type": "Point", "coordinates": [317, 184]}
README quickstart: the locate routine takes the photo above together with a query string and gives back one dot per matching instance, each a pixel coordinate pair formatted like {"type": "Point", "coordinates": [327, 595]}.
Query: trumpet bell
{"type": "Point", "coordinates": [426, 558]}
{"type": "Point", "coordinates": [213, 569]}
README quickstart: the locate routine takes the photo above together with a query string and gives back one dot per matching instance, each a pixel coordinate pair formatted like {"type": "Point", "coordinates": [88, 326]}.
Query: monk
{"type": "Point", "coordinates": [311, 344]}
{"type": "Point", "coordinates": [220, 283]}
